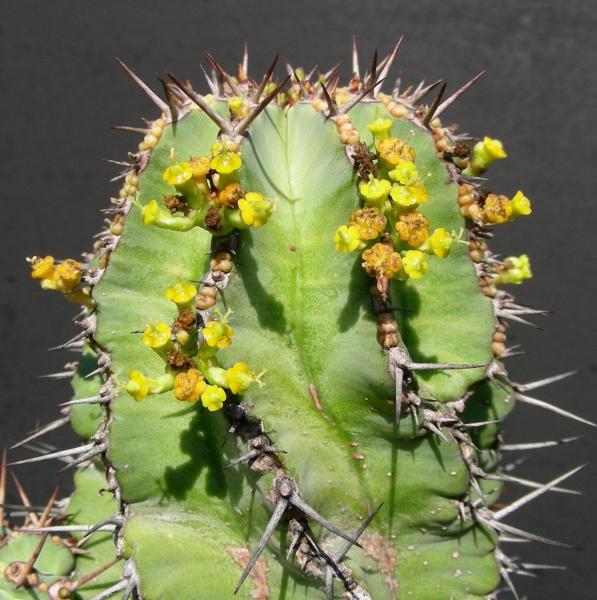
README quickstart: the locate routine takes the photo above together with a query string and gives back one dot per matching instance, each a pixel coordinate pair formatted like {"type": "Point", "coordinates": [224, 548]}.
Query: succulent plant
{"type": "Point", "coordinates": [291, 381]}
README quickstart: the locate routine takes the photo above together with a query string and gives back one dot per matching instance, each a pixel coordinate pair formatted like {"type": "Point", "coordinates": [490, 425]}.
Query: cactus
{"type": "Point", "coordinates": [292, 354]}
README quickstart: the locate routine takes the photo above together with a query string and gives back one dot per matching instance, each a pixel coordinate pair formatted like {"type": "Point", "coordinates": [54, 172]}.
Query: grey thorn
{"type": "Point", "coordinates": [116, 520]}
{"type": "Point", "coordinates": [479, 424]}
{"type": "Point", "coordinates": [355, 58]}
{"type": "Point", "coordinates": [538, 445]}
{"type": "Point", "coordinates": [414, 366]}
{"type": "Point", "coordinates": [145, 88]}
{"type": "Point", "coordinates": [59, 454]}
{"type": "Point", "coordinates": [99, 399]}
{"type": "Point", "coordinates": [213, 86]}
{"type": "Point", "coordinates": [423, 91]}
{"type": "Point", "coordinates": [506, 539]}
{"type": "Point", "coordinates": [504, 512]}
{"type": "Point", "coordinates": [556, 409]}
{"type": "Point", "coordinates": [347, 107]}
{"type": "Point", "coordinates": [449, 101]}
{"type": "Point", "coordinates": [541, 567]}
{"type": "Point", "coordinates": [533, 537]}
{"type": "Point", "coordinates": [222, 123]}
{"type": "Point", "coordinates": [387, 63]}
{"type": "Point", "coordinates": [98, 449]}
{"type": "Point", "coordinates": [532, 385]}
{"type": "Point", "coordinates": [59, 375]}
{"type": "Point", "coordinates": [45, 429]}
{"type": "Point", "coordinates": [347, 545]}
{"type": "Point", "coordinates": [505, 314]}
{"type": "Point", "coordinates": [117, 587]}
{"type": "Point", "coordinates": [74, 340]}
{"type": "Point", "coordinates": [529, 483]}
{"type": "Point", "coordinates": [278, 513]}
{"type": "Point", "coordinates": [398, 380]}
{"type": "Point", "coordinates": [63, 529]}
{"type": "Point", "coordinates": [297, 501]}
{"type": "Point", "coordinates": [216, 65]}
{"type": "Point", "coordinates": [506, 577]}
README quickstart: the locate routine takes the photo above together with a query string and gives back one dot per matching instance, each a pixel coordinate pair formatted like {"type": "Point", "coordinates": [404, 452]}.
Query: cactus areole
{"type": "Point", "coordinates": [291, 382]}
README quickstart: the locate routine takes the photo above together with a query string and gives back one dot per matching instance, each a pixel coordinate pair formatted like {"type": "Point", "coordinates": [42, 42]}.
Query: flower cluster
{"type": "Point", "coordinates": [208, 195]}
{"type": "Point", "coordinates": [516, 270]}
{"type": "Point", "coordinates": [65, 277]}
{"type": "Point", "coordinates": [395, 238]}
{"type": "Point", "coordinates": [193, 371]}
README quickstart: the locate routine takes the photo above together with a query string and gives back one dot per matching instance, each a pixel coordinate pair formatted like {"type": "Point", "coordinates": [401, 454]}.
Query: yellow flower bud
{"type": "Point", "coordinates": [218, 334]}
{"type": "Point", "coordinates": [138, 385]}
{"type": "Point", "coordinates": [393, 150]}
{"type": "Point", "coordinates": [150, 212]}
{"type": "Point", "coordinates": [496, 209]}
{"type": "Point", "coordinates": [441, 242]}
{"type": "Point", "coordinates": [42, 268]}
{"type": "Point", "coordinates": [484, 153]}
{"type": "Point", "coordinates": [189, 386]}
{"type": "Point", "coordinates": [213, 397]}
{"type": "Point", "coordinates": [255, 209]}
{"type": "Point", "coordinates": [178, 173]}
{"type": "Point", "coordinates": [226, 162]}
{"type": "Point", "coordinates": [521, 205]}
{"type": "Point", "coordinates": [200, 166]}
{"type": "Point", "coordinates": [368, 221]}
{"type": "Point", "coordinates": [238, 106]}
{"type": "Point", "coordinates": [516, 270]}
{"type": "Point", "coordinates": [181, 293]}
{"type": "Point", "coordinates": [67, 275]}
{"type": "Point", "coordinates": [415, 263]}
{"type": "Point", "coordinates": [374, 190]}
{"type": "Point", "coordinates": [381, 260]}
{"type": "Point", "coordinates": [347, 238]}
{"type": "Point", "coordinates": [380, 128]}
{"type": "Point", "coordinates": [408, 196]}
{"type": "Point", "coordinates": [405, 172]}
{"type": "Point", "coordinates": [240, 377]}
{"type": "Point", "coordinates": [413, 228]}
{"type": "Point", "coordinates": [156, 336]}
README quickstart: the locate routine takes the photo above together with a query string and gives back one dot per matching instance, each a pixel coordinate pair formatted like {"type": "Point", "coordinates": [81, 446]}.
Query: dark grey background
{"type": "Point", "coordinates": [61, 89]}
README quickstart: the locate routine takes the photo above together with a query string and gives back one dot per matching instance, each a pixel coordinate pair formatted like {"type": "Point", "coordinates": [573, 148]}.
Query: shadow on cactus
{"type": "Point", "coordinates": [293, 335]}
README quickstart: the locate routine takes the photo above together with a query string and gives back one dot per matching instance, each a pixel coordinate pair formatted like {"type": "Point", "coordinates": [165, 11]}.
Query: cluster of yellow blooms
{"type": "Point", "coordinates": [390, 214]}
{"type": "Point", "coordinates": [63, 277]}
{"type": "Point", "coordinates": [208, 195]}
{"type": "Point", "coordinates": [192, 372]}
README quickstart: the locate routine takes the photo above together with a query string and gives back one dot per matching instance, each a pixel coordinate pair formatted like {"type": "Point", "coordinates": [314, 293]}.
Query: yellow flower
{"type": "Point", "coordinates": [408, 196]}
{"type": "Point", "coordinates": [347, 238]}
{"type": "Point", "coordinates": [368, 221]}
{"type": "Point", "coordinates": [200, 166]}
{"type": "Point", "coordinates": [373, 189]}
{"type": "Point", "coordinates": [189, 386]}
{"type": "Point", "coordinates": [138, 385]}
{"type": "Point", "coordinates": [150, 212]}
{"type": "Point", "coordinates": [493, 148]}
{"type": "Point", "coordinates": [380, 128]}
{"type": "Point", "coordinates": [230, 195]}
{"type": "Point", "coordinates": [42, 268]}
{"type": "Point", "coordinates": [213, 397]}
{"type": "Point", "coordinates": [240, 377]}
{"type": "Point", "coordinates": [413, 228]}
{"type": "Point", "coordinates": [255, 210]}
{"type": "Point", "coordinates": [405, 172]}
{"type": "Point", "coordinates": [381, 260]}
{"type": "Point", "coordinates": [67, 275]}
{"type": "Point", "coordinates": [218, 334]}
{"type": "Point", "coordinates": [521, 205]}
{"type": "Point", "coordinates": [496, 209]}
{"type": "Point", "coordinates": [441, 242]}
{"type": "Point", "coordinates": [484, 154]}
{"type": "Point", "coordinates": [394, 150]}
{"type": "Point", "coordinates": [415, 263]}
{"type": "Point", "coordinates": [226, 162]}
{"type": "Point", "coordinates": [516, 270]}
{"type": "Point", "coordinates": [181, 293]}
{"type": "Point", "coordinates": [238, 106]}
{"type": "Point", "coordinates": [178, 173]}
{"type": "Point", "coordinates": [157, 336]}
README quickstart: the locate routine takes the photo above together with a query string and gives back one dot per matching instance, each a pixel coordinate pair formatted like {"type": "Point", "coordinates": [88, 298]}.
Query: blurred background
{"type": "Point", "coordinates": [62, 90]}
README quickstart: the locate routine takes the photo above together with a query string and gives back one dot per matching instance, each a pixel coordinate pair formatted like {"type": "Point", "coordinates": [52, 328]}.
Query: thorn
{"type": "Point", "coordinates": [506, 577]}
{"type": "Point", "coordinates": [467, 86]}
{"type": "Point", "coordinates": [90, 576]}
{"type": "Point", "coordinates": [48, 508]}
{"type": "Point", "coordinates": [387, 63]}
{"type": "Point", "coordinates": [28, 566]}
{"type": "Point", "coordinates": [537, 445]}
{"type": "Point", "coordinates": [504, 512]}
{"type": "Point", "coordinates": [213, 85]}
{"type": "Point", "coordinates": [139, 130]}
{"type": "Point", "coordinates": [244, 124]}
{"type": "Point", "coordinates": [97, 450]}
{"type": "Point", "coordinates": [398, 381]}
{"type": "Point", "coordinates": [91, 400]}
{"type": "Point", "coordinates": [529, 483]}
{"type": "Point", "coordinates": [535, 567]}
{"type": "Point", "coordinates": [63, 529]}
{"type": "Point", "coordinates": [117, 587]}
{"type": "Point", "coordinates": [40, 432]}
{"type": "Point", "coordinates": [58, 376]}
{"type": "Point", "coordinates": [171, 100]}
{"type": "Point", "coordinates": [560, 411]}
{"type": "Point", "coordinates": [222, 123]}
{"type": "Point", "coordinates": [299, 82]}
{"type": "Point", "coordinates": [264, 81]}
{"type": "Point", "coordinates": [506, 314]}
{"type": "Point", "coordinates": [345, 547]}
{"type": "Point", "coordinates": [116, 520]}
{"type": "Point", "coordinates": [429, 115]}
{"type": "Point", "coordinates": [215, 65]}
{"type": "Point", "coordinates": [245, 62]}
{"type": "Point", "coordinates": [278, 513]}
{"type": "Point", "coordinates": [347, 107]}
{"type": "Point", "coordinates": [59, 454]}
{"type": "Point", "coordinates": [414, 366]}
{"type": "Point", "coordinates": [499, 526]}
{"type": "Point", "coordinates": [332, 106]}
{"type": "Point", "coordinates": [526, 387]}
{"type": "Point", "coordinates": [355, 58]}
{"type": "Point", "coordinates": [424, 91]}
{"type": "Point", "coordinates": [373, 74]}
{"type": "Point", "coordinates": [25, 500]}
{"type": "Point", "coordinates": [2, 488]}
{"type": "Point", "coordinates": [145, 88]}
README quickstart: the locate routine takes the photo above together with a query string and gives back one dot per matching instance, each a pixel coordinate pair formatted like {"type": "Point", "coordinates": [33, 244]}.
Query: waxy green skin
{"type": "Point", "coordinates": [303, 311]}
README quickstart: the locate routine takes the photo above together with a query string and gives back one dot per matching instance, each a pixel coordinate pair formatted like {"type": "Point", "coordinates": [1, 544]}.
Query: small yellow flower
{"type": "Point", "coordinates": [374, 189]}
{"type": "Point", "coordinates": [497, 209]}
{"type": "Point", "coordinates": [138, 385]}
{"type": "Point", "coordinates": [181, 293]}
{"type": "Point", "coordinates": [369, 222]}
{"type": "Point", "coordinates": [493, 148]}
{"type": "Point", "coordinates": [226, 162]}
{"type": "Point", "coordinates": [441, 242]}
{"type": "Point", "coordinates": [521, 205]}
{"type": "Point", "coordinates": [413, 228]}
{"type": "Point", "coordinates": [484, 154]}
{"type": "Point", "coordinates": [516, 270]}
{"type": "Point", "coordinates": [200, 166]}
{"type": "Point", "coordinates": [394, 150]}
{"type": "Point", "coordinates": [240, 377]}
{"type": "Point", "coordinates": [408, 196]}
{"type": "Point", "coordinates": [405, 172]}
{"type": "Point", "coordinates": [67, 275]}
{"type": "Point", "coordinates": [238, 106]}
{"type": "Point", "coordinates": [213, 397]}
{"type": "Point", "coordinates": [255, 209]}
{"type": "Point", "coordinates": [42, 268]}
{"type": "Point", "coordinates": [381, 260]}
{"type": "Point", "coordinates": [415, 263]}
{"type": "Point", "coordinates": [218, 334]}
{"type": "Point", "coordinates": [178, 173]}
{"type": "Point", "coordinates": [380, 128]}
{"type": "Point", "coordinates": [157, 336]}
{"type": "Point", "coordinates": [347, 238]}
{"type": "Point", "coordinates": [189, 386]}
{"type": "Point", "coordinates": [150, 212]}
